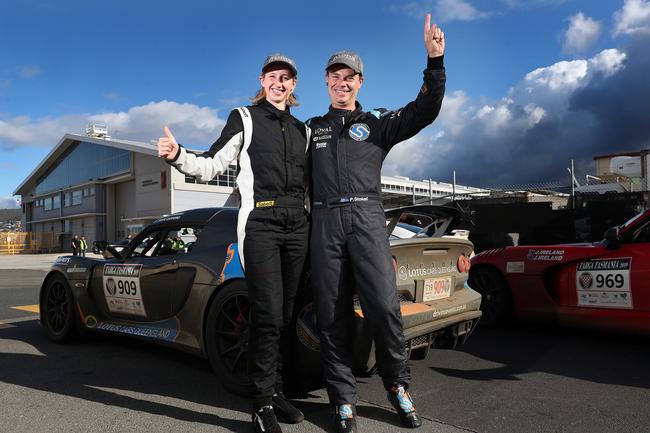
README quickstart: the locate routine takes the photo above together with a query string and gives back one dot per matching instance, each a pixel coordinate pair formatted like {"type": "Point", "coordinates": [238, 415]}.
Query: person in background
{"type": "Point", "coordinates": [74, 244]}
{"type": "Point", "coordinates": [83, 246]}
{"type": "Point", "coordinates": [349, 242]}
{"type": "Point", "coordinates": [273, 226]}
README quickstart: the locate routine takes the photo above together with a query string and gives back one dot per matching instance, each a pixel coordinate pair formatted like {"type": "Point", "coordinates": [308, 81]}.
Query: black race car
{"type": "Point", "coordinates": [180, 283]}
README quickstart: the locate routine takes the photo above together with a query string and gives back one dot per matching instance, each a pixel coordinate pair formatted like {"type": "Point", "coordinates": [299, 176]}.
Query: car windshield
{"type": "Point", "coordinates": [631, 220]}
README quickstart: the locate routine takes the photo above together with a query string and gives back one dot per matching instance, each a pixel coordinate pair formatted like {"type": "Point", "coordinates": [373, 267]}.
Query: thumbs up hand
{"type": "Point", "coordinates": [167, 145]}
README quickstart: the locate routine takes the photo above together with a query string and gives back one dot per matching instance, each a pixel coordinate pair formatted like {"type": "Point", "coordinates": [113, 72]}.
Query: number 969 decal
{"type": "Point", "coordinates": [122, 289]}
{"type": "Point", "coordinates": [604, 283]}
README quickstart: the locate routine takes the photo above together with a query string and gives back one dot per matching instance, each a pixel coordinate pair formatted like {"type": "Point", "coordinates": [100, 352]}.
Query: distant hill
{"type": "Point", "coordinates": [10, 215]}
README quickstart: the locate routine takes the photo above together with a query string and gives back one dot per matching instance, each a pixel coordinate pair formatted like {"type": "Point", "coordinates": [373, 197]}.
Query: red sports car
{"type": "Point", "coordinates": [603, 284]}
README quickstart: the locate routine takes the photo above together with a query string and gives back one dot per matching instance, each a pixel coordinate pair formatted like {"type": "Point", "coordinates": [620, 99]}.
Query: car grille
{"type": "Point", "coordinates": [421, 341]}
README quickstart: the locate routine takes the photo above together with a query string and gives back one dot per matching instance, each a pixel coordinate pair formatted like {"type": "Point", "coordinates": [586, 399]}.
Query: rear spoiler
{"type": "Point", "coordinates": [445, 219]}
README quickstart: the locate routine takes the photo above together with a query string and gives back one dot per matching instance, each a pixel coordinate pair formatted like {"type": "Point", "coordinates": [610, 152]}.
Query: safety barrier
{"type": "Point", "coordinates": [28, 242]}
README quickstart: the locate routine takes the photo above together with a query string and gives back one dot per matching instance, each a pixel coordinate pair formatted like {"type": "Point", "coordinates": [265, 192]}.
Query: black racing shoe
{"type": "Point", "coordinates": [403, 404]}
{"type": "Point", "coordinates": [285, 411]}
{"type": "Point", "coordinates": [265, 421]}
{"type": "Point", "coordinates": [345, 419]}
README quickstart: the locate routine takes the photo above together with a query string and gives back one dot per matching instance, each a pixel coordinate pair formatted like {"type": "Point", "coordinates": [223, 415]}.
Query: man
{"type": "Point", "coordinates": [74, 244]}
{"type": "Point", "coordinates": [349, 243]}
{"type": "Point", "coordinates": [83, 246]}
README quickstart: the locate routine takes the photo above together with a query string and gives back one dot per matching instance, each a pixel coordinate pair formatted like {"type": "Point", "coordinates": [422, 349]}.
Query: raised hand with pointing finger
{"type": "Point", "coordinates": [167, 145]}
{"type": "Point", "coordinates": [434, 38]}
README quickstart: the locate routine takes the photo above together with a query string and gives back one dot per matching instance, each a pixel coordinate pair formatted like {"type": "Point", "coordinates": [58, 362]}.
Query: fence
{"type": "Point", "coordinates": [538, 214]}
{"type": "Point", "coordinates": [28, 242]}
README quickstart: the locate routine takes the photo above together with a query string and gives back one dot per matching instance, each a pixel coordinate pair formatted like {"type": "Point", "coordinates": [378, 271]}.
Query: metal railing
{"type": "Point", "coordinates": [28, 242]}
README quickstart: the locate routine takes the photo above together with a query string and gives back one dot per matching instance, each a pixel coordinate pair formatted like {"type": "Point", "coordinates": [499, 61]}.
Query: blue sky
{"type": "Point", "coordinates": [531, 84]}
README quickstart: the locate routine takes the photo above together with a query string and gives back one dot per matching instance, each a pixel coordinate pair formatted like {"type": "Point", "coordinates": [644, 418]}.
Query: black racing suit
{"type": "Point", "coordinates": [349, 241]}
{"type": "Point", "coordinates": [273, 226]}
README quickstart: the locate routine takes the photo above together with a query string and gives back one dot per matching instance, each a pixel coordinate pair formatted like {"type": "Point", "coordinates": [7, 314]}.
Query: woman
{"type": "Point", "coordinates": [273, 225]}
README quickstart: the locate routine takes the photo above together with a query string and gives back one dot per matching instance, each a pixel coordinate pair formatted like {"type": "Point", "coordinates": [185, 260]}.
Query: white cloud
{"type": "Point", "coordinates": [531, 3]}
{"type": "Point", "coordinates": [457, 10]}
{"type": "Point", "coordinates": [608, 62]}
{"type": "Point", "coordinates": [23, 131]}
{"type": "Point", "coordinates": [8, 203]}
{"type": "Point", "coordinates": [633, 18]}
{"type": "Point", "coordinates": [191, 124]}
{"type": "Point", "coordinates": [533, 125]}
{"type": "Point", "coordinates": [582, 33]}
{"type": "Point", "coordinates": [549, 86]}
{"type": "Point", "coordinates": [441, 10]}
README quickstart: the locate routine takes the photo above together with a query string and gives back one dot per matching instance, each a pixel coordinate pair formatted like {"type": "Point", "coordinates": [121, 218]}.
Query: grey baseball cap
{"type": "Point", "coordinates": [280, 58]}
{"type": "Point", "coordinates": [347, 58]}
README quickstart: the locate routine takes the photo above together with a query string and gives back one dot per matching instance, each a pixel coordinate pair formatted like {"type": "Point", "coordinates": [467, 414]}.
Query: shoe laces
{"type": "Point", "coordinates": [403, 398]}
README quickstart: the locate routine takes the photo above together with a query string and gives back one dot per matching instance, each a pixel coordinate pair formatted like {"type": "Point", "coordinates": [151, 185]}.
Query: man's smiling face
{"type": "Point", "coordinates": [343, 85]}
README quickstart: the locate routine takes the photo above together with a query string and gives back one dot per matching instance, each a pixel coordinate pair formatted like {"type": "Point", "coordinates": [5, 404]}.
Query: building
{"type": "Point", "coordinates": [627, 170]}
{"type": "Point", "coordinates": [400, 190]}
{"type": "Point", "coordinates": [106, 188]}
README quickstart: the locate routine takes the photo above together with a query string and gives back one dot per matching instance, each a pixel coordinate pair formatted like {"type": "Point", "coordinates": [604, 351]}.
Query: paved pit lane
{"type": "Point", "coordinates": [530, 379]}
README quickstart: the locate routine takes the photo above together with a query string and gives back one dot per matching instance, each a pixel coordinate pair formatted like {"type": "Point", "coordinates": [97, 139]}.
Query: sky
{"type": "Point", "coordinates": [531, 84]}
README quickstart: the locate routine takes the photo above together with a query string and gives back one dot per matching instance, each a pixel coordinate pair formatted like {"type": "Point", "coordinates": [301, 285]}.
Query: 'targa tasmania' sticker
{"type": "Point", "coordinates": [604, 283]}
{"type": "Point", "coordinates": [122, 289]}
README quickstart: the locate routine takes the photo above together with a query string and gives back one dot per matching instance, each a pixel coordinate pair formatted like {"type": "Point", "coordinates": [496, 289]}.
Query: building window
{"type": "Point", "coordinates": [76, 197]}
{"type": "Point", "coordinates": [82, 162]}
{"type": "Point", "coordinates": [67, 199]}
{"type": "Point", "coordinates": [48, 203]}
{"type": "Point", "coordinates": [65, 226]}
{"type": "Point", "coordinates": [56, 202]}
{"type": "Point", "coordinates": [229, 178]}
{"type": "Point", "coordinates": [87, 192]}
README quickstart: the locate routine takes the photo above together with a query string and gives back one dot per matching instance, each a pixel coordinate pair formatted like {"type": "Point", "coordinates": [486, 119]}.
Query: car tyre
{"type": "Point", "coordinates": [227, 329]}
{"type": "Point", "coordinates": [58, 315]}
{"type": "Point", "coordinates": [496, 299]}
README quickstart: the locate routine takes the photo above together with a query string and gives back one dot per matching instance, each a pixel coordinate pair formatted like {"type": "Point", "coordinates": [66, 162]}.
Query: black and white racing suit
{"type": "Point", "coordinates": [349, 242]}
{"type": "Point", "coordinates": [272, 229]}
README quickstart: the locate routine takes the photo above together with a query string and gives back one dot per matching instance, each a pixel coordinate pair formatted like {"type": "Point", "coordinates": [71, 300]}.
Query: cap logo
{"type": "Point", "coordinates": [359, 131]}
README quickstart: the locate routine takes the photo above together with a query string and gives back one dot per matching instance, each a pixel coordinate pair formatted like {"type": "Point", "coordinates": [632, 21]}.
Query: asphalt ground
{"type": "Point", "coordinates": [525, 379]}
{"type": "Point", "coordinates": [111, 384]}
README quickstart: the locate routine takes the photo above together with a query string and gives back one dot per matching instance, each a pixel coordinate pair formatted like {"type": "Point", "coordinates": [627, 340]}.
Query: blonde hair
{"type": "Point", "coordinates": [292, 101]}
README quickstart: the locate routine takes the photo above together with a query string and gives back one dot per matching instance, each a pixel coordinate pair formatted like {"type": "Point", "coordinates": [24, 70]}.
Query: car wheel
{"type": "Point", "coordinates": [57, 310]}
{"type": "Point", "coordinates": [496, 300]}
{"type": "Point", "coordinates": [227, 330]}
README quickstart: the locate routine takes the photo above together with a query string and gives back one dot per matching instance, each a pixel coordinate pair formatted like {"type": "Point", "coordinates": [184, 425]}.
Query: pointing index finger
{"type": "Point", "coordinates": [169, 134]}
{"type": "Point", "coordinates": [427, 23]}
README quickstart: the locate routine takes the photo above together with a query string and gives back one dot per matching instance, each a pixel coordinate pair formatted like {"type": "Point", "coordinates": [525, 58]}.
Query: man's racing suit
{"type": "Point", "coordinates": [349, 241]}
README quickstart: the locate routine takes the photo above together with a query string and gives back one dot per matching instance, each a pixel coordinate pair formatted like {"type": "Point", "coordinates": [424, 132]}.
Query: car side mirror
{"type": "Point", "coordinates": [612, 238]}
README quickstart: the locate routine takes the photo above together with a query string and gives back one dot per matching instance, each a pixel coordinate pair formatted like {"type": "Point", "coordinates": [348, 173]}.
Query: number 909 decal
{"type": "Point", "coordinates": [122, 289]}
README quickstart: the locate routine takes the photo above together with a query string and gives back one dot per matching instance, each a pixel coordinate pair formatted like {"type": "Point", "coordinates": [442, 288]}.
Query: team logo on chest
{"type": "Point", "coordinates": [359, 131]}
